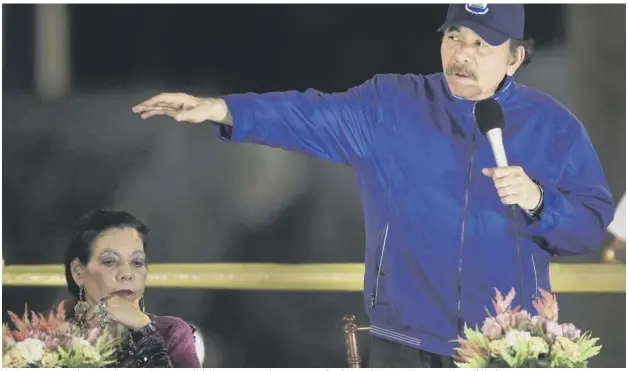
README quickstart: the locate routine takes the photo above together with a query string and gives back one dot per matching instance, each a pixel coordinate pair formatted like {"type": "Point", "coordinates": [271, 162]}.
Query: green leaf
{"type": "Point", "coordinates": [473, 362]}
{"type": "Point", "coordinates": [510, 359]}
{"type": "Point", "coordinates": [590, 352]}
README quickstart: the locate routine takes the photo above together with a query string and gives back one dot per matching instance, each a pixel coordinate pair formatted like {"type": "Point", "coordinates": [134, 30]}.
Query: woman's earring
{"type": "Point", "coordinates": [101, 313]}
{"type": "Point", "coordinates": [81, 308]}
{"type": "Point", "coordinates": [142, 305]}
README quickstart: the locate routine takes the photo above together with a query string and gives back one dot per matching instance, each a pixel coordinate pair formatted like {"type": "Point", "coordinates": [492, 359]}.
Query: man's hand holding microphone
{"type": "Point", "coordinates": [514, 186]}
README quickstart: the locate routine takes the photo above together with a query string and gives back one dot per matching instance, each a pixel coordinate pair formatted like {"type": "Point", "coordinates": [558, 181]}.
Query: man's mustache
{"type": "Point", "coordinates": [459, 69]}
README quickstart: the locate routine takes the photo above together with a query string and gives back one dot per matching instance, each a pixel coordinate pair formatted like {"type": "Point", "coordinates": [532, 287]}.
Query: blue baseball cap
{"type": "Point", "coordinates": [495, 23]}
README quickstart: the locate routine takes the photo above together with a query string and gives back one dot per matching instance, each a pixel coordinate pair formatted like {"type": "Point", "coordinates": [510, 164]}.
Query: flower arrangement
{"type": "Point", "coordinates": [514, 338]}
{"type": "Point", "coordinates": [47, 342]}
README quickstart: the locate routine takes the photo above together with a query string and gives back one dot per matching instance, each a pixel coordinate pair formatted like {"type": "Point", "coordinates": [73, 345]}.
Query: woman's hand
{"type": "Point", "coordinates": [126, 312]}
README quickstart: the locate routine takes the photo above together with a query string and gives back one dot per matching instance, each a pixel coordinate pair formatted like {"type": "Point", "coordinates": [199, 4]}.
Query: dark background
{"type": "Point", "coordinates": [209, 201]}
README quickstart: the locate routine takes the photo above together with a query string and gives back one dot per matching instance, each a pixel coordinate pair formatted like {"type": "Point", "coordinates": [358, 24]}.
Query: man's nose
{"type": "Point", "coordinates": [464, 53]}
{"type": "Point", "coordinates": [462, 56]}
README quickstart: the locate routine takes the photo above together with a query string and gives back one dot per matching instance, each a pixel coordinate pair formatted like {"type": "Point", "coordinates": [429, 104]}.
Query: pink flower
{"type": "Point", "coordinates": [64, 328]}
{"type": "Point", "coordinates": [506, 320]}
{"type": "Point", "coordinates": [522, 319]}
{"type": "Point", "coordinates": [546, 305]}
{"type": "Point", "coordinates": [491, 329]}
{"type": "Point", "coordinates": [570, 331]}
{"type": "Point", "coordinates": [552, 331]}
{"type": "Point", "coordinates": [537, 325]}
{"type": "Point", "coordinates": [501, 303]}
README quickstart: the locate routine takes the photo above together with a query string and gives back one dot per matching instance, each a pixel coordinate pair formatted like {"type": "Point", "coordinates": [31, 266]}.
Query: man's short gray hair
{"type": "Point", "coordinates": [528, 46]}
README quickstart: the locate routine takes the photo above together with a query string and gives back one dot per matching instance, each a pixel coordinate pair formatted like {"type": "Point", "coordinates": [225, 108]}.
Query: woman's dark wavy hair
{"type": "Point", "coordinates": [88, 227]}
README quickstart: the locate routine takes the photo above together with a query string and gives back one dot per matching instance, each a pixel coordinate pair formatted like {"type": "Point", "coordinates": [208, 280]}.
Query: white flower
{"type": "Point", "coordinates": [80, 342]}
{"type": "Point", "coordinates": [13, 359]}
{"type": "Point", "coordinates": [31, 349]}
{"type": "Point", "coordinates": [514, 337]}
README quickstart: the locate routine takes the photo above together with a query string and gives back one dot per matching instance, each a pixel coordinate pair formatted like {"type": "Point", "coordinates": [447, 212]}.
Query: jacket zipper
{"type": "Point", "coordinates": [536, 282]}
{"type": "Point", "coordinates": [379, 268]}
{"type": "Point", "coordinates": [464, 219]}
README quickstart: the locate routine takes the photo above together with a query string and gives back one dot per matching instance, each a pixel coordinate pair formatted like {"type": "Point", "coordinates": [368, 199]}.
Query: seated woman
{"type": "Point", "coordinates": [105, 269]}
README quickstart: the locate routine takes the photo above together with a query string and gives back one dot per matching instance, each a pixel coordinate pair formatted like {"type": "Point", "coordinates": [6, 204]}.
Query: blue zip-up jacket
{"type": "Point", "coordinates": [417, 156]}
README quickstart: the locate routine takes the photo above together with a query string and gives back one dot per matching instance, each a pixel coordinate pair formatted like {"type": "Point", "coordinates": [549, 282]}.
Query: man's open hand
{"type": "Point", "coordinates": [184, 108]}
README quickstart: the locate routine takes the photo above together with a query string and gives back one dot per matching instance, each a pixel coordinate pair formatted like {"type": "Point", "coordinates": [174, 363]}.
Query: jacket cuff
{"type": "Point", "coordinates": [538, 210]}
{"type": "Point", "coordinates": [546, 217]}
{"type": "Point", "coordinates": [240, 107]}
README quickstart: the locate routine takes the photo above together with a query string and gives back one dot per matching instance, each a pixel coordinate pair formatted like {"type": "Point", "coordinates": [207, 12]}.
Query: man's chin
{"type": "Point", "coordinates": [465, 92]}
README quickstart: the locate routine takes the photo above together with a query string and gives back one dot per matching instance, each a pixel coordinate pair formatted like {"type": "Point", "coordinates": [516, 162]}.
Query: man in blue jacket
{"type": "Point", "coordinates": [439, 236]}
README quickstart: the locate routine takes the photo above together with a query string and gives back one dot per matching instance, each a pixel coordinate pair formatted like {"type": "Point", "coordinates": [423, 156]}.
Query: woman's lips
{"type": "Point", "coordinates": [125, 292]}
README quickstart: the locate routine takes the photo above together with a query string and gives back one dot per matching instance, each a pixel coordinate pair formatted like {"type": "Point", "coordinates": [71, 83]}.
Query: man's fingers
{"type": "Point", "coordinates": [507, 181]}
{"type": "Point", "coordinates": [162, 109]}
{"type": "Point", "coordinates": [142, 107]}
{"type": "Point", "coordinates": [169, 100]}
{"type": "Point", "coordinates": [156, 112]}
{"type": "Point", "coordinates": [497, 172]}
{"type": "Point", "coordinates": [180, 106]}
{"type": "Point", "coordinates": [508, 191]}
{"type": "Point", "coordinates": [163, 98]}
{"type": "Point", "coordinates": [502, 172]}
{"type": "Point", "coordinates": [159, 111]}
{"type": "Point", "coordinates": [510, 183]}
{"type": "Point", "coordinates": [186, 115]}
{"type": "Point", "coordinates": [149, 114]}
{"type": "Point", "coordinates": [509, 200]}
{"type": "Point", "coordinates": [150, 103]}
{"type": "Point", "coordinates": [194, 115]}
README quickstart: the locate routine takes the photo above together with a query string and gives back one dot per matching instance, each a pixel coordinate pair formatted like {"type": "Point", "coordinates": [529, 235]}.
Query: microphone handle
{"type": "Point", "coordinates": [497, 145]}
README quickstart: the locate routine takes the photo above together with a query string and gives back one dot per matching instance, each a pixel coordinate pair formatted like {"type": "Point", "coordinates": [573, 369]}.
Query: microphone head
{"type": "Point", "coordinates": [489, 115]}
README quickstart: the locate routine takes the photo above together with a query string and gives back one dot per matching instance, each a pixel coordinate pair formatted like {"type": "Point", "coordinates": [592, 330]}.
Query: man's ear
{"type": "Point", "coordinates": [78, 271]}
{"type": "Point", "coordinates": [516, 59]}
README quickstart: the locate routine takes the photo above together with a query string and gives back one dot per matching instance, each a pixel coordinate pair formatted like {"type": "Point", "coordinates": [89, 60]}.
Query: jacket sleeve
{"type": "Point", "coordinates": [182, 346]}
{"type": "Point", "coordinates": [618, 226]}
{"type": "Point", "coordinates": [578, 207]}
{"type": "Point", "coordinates": [336, 127]}
{"type": "Point", "coordinates": [150, 352]}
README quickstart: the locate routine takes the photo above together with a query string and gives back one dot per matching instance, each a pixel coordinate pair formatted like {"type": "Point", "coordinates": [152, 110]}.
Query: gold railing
{"type": "Point", "coordinates": [565, 277]}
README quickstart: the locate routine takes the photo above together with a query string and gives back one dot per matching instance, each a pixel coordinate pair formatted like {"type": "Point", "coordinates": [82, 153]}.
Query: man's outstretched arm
{"type": "Point", "coordinates": [336, 127]}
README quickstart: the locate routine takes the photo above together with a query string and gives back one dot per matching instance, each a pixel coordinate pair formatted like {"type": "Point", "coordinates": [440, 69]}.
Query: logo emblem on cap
{"type": "Point", "coordinates": [476, 8]}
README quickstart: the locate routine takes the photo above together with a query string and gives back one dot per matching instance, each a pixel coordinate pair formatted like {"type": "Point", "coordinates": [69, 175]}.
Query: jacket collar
{"type": "Point", "coordinates": [501, 95]}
